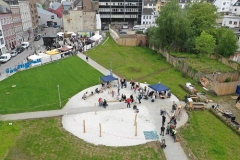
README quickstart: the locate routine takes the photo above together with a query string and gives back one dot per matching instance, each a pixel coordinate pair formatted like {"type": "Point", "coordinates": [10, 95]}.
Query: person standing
{"type": "Point", "coordinates": [163, 118]}
{"type": "Point", "coordinates": [128, 102]}
{"type": "Point", "coordinates": [131, 96]}
{"type": "Point", "coordinates": [86, 57]}
{"type": "Point", "coordinates": [174, 107]}
{"type": "Point", "coordinates": [174, 134]}
{"type": "Point", "coordinates": [112, 93]}
{"type": "Point", "coordinates": [168, 128]}
{"type": "Point", "coordinates": [139, 98]}
{"type": "Point", "coordinates": [162, 130]}
{"type": "Point", "coordinates": [118, 91]}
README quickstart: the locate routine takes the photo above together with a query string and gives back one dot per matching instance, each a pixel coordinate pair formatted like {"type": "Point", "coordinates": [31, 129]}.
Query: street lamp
{"type": "Point", "coordinates": [60, 103]}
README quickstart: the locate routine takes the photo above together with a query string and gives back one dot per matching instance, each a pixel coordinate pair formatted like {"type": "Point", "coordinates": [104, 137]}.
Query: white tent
{"type": "Point", "coordinates": [34, 57]}
{"type": "Point", "coordinates": [96, 37]}
{"type": "Point", "coordinates": [60, 33]}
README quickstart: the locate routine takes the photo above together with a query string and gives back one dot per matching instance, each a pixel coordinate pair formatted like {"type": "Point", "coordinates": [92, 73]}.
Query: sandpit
{"type": "Point", "coordinates": [117, 126]}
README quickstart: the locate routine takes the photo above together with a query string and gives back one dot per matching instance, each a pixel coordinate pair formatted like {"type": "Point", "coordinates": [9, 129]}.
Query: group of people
{"type": "Point", "coordinates": [102, 102]}
{"type": "Point", "coordinates": [170, 127]}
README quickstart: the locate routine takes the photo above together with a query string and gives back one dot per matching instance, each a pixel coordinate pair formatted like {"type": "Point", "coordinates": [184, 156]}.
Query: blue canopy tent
{"type": "Point", "coordinates": [159, 87]}
{"type": "Point", "coordinates": [238, 90]}
{"type": "Point", "coordinates": [108, 78]}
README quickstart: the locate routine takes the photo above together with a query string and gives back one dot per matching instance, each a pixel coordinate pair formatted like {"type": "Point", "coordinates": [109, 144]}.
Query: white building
{"type": "Point", "coordinates": [48, 18]}
{"type": "Point", "coordinates": [148, 16]}
{"type": "Point", "coordinates": [236, 8]}
{"type": "Point", "coordinates": [150, 4]}
{"type": "Point", "coordinates": [26, 20]}
{"type": "Point", "coordinates": [2, 42]}
{"type": "Point", "coordinates": [224, 5]}
{"type": "Point", "coordinates": [231, 21]}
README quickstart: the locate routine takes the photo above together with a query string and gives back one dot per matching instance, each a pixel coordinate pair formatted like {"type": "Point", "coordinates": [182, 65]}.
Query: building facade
{"type": "Point", "coordinates": [236, 8]}
{"type": "Point", "coordinates": [148, 17]}
{"type": "Point", "coordinates": [17, 22]}
{"type": "Point", "coordinates": [224, 5]}
{"type": "Point", "coordinates": [26, 20]}
{"type": "Point", "coordinates": [231, 21]}
{"type": "Point", "coordinates": [48, 18]}
{"type": "Point", "coordinates": [34, 15]}
{"type": "Point", "coordinates": [113, 11]}
{"type": "Point", "coordinates": [150, 4]}
{"type": "Point", "coordinates": [67, 5]}
{"type": "Point", "coordinates": [78, 20]}
{"type": "Point", "coordinates": [2, 41]}
{"type": "Point", "coordinates": [7, 26]}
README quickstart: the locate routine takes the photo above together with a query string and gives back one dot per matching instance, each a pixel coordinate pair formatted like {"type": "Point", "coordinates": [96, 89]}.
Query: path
{"type": "Point", "coordinates": [173, 150]}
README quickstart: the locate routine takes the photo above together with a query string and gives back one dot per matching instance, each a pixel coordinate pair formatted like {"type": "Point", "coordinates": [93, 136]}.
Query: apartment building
{"type": "Point", "coordinates": [7, 26]}
{"type": "Point", "coordinates": [151, 4]}
{"type": "Point", "coordinates": [34, 15]}
{"type": "Point", "coordinates": [120, 11]}
{"type": "Point", "coordinates": [2, 41]}
{"type": "Point", "coordinates": [26, 20]}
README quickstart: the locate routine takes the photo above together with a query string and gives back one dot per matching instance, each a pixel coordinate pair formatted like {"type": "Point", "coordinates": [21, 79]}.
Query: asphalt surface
{"type": "Point", "coordinates": [22, 56]}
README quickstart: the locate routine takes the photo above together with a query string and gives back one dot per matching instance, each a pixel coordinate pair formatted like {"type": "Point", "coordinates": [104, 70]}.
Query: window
{"type": "Point", "coordinates": [235, 9]}
{"type": "Point", "coordinates": [0, 32]}
{"type": "Point", "coordinates": [2, 41]}
{"type": "Point", "coordinates": [143, 17]}
{"type": "Point", "coordinates": [235, 22]}
{"type": "Point", "coordinates": [146, 17]}
{"type": "Point", "coordinates": [230, 22]}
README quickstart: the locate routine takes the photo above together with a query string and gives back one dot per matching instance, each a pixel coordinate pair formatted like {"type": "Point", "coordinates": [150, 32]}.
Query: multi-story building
{"type": "Point", "coordinates": [117, 11]}
{"type": "Point", "coordinates": [2, 41]}
{"type": "Point", "coordinates": [17, 21]}
{"type": "Point", "coordinates": [148, 17]}
{"type": "Point", "coordinates": [7, 26]}
{"type": "Point", "coordinates": [34, 15]}
{"type": "Point", "coordinates": [48, 18]}
{"type": "Point", "coordinates": [26, 20]}
{"type": "Point", "coordinates": [150, 4]}
{"type": "Point", "coordinates": [224, 5]}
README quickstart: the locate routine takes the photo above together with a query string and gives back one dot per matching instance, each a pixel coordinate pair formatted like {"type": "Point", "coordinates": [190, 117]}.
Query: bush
{"type": "Point", "coordinates": [228, 79]}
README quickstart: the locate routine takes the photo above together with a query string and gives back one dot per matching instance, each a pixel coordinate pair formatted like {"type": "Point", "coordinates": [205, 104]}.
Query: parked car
{"type": "Point", "coordinates": [25, 44]}
{"type": "Point", "coordinates": [14, 53]}
{"type": "Point", "coordinates": [125, 26]}
{"type": "Point", "coordinates": [37, 38]}
{"type": "Point", "coordinates": [5, 57]}
{"type": "Point", "coordinates": [122, 32]}
{"type": "Point", "coordinates": [20, 49]}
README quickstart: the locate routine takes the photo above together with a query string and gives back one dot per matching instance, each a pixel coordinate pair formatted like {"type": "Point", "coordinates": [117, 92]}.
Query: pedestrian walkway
{"type": "Point", "coordinates": [173, 150]}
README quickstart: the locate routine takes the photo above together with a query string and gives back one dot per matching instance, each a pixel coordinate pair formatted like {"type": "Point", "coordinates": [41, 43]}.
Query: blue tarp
{"type": "Point", "coordinates": [108, 78]}
{"type": "Point", "coordinates": [238, 90]}
{"type": "Point", "coordinates": [159, 87]}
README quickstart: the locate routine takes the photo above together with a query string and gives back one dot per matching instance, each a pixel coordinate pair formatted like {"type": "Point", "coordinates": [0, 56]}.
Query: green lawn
{"type": "Point", "coordinates": [46, 139]}
{"type": "Point", "coordinates": [8, 136]}
{"type": "Point", "coordinates": [37, 90]}
{"type": "Point", "coordinates": [209, 138]}
{"type": "Point", "coordinates": [203, 63]}
{"type": "Point", "coordinates": [140, 64]}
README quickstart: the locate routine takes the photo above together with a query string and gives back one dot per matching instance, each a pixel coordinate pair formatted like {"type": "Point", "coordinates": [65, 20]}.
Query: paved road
{"type": "Point", "coordinates": [22, 56]}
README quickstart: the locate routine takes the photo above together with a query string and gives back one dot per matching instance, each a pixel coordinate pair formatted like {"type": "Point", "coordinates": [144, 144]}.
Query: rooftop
{"type": "Point", "coordinates": [55, 5]}
{"type": "Point", "coordinates": [237, 3]}
{"type": "Point", "coordinates": [43, 11]}
{"type": "Point", "coordinates": [147, 11]}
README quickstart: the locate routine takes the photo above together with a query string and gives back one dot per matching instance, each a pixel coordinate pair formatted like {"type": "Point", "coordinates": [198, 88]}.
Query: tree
{"type": "Point", "coordinates": [173, 26]}
{"type": "Point", "coordinates": [202, 16]}
{"type": "Point", "coordinates": [227, 42]}
{"type": "Point", "coordinates": [205, 43]}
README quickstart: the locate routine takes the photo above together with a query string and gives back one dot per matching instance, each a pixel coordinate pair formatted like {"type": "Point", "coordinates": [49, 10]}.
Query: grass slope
{"type": "Point", "coordinates": [46, 139]}
{"type": "Point", "coordinates": [8, 136]}
{"type": "Point", "coordinates": [209, 138]}
{"type": "Point", "coordinates": [140, 64]}
{"type": "Point", "coordinates": [37, 87]}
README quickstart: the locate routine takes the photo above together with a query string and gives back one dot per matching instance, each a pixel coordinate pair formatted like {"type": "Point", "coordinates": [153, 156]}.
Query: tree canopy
{"type": "Point", "coordinates": [192, 29]}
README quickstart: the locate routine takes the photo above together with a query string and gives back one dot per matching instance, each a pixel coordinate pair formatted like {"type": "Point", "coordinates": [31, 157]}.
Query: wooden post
{"type": "Point", "coordinates": [100, 130]}
{"type": "Point", "coordinates": [84, 127]}
{"type": "Point", "coordinates": [136, 129]}
{"type": "Point", "coordinates": [135, 119]}
{"type": "Point", "coordinates": [95, 109]}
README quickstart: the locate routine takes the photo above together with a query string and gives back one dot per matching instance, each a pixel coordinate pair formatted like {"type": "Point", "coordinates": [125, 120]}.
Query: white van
{"type": "Point", "coordinates": [5, 57]}
{"type": "Point", "coordinates": [25, 44]}
{"type": "Point", "coordinates": [135, 28]}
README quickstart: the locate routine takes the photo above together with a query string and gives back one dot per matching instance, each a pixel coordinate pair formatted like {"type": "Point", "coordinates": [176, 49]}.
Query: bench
{"type": "Point", "coordinates": [198, 106]}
